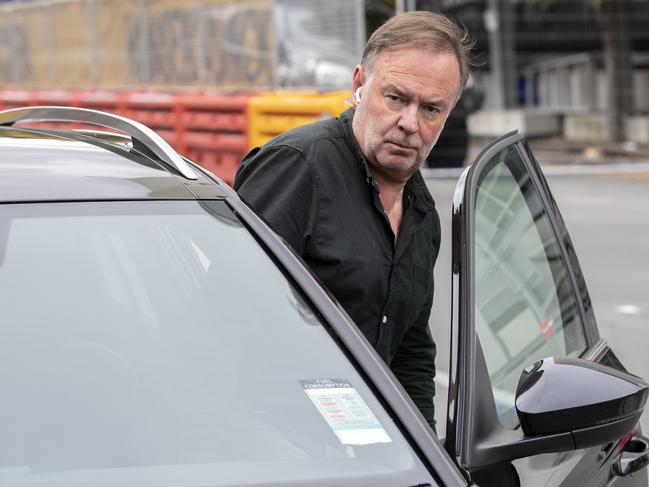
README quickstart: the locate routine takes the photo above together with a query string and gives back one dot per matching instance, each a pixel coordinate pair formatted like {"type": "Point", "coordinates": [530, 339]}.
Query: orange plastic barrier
{"type": "Point", "coordinates": [213, 130]}
{"type": "Point", "coordinates": [156, 111]}
{"type": "Point", "coordinates": [95, 99]}
{"type": "Point", "coordinates": [216, 130]}
{"type": "Point", "coordinates": [100, 100]}
{"type": "Point", "coordinates": [104, 100]}
{"type": "Point", "coordinates": [16, 98]}
{"type": "Point", "coordinates": [210, 128]}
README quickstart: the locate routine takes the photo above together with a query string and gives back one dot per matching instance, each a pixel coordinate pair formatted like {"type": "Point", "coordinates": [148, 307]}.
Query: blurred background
{"type": "Point", "coordinates": [217, 77]}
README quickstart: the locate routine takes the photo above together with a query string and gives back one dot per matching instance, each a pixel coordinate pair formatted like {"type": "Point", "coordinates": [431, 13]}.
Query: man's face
{"type": "Point", "coordinates": [404, 102]}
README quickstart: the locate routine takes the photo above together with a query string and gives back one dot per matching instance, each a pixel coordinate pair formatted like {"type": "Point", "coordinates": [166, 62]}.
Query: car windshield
{"type": "Point", "coordinates": [156, 343]}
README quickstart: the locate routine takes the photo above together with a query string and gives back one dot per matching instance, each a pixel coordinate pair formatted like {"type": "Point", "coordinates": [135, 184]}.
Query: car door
{"type": "Point", "coordinates": [519, 296]}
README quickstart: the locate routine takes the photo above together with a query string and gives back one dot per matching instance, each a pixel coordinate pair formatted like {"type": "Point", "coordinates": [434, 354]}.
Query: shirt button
{"type": "Point", "coordinates": [385, 319]}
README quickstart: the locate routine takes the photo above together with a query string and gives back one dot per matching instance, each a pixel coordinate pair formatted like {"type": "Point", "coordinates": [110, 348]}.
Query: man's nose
{"type": "Point", "coordinates": [408, 120]}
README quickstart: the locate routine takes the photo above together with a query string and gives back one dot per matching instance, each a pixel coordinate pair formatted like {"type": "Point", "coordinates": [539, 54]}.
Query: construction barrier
{"type": "Point", "coordinates": [209, 128]}
{"type": "Point", "coordinates": [271, 114]}
{"type": "Point", "coordinates": [16, 98]}
{"type": "Point", "coordinates": [215, 130]}
{"type": "Point", "coordinates": [156, 111]}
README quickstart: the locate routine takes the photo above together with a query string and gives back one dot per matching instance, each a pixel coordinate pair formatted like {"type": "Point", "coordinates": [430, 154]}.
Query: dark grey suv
{"type": "Point", "coordinates": [155, 332]}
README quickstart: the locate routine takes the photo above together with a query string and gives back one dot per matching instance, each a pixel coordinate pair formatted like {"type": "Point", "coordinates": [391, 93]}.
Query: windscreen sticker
{"type": "Point", "coordinates": [345, 411]}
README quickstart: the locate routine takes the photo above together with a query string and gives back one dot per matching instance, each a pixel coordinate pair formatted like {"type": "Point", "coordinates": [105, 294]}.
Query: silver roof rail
{"type": "Point", "coordinates": [136, 130]}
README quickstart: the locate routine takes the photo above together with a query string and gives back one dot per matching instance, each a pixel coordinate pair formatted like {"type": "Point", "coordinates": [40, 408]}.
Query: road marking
{"type": "Point", "coordinates": [628, 309]}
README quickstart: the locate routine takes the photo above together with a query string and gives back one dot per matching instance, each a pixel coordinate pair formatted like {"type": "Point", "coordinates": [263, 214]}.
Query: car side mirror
{"type": "Point", "coordinates": [563, 404]}
{"type": "Point", "coordinates": [595, 403]}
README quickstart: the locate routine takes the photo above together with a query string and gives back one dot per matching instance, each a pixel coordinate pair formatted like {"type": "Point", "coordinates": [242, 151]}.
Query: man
{"type": "Point", "coordinates": [347, 193]}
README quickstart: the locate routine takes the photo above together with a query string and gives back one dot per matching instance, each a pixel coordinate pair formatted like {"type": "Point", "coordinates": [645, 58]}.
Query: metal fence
{"type": "Point", "coordinates": [224, 44]}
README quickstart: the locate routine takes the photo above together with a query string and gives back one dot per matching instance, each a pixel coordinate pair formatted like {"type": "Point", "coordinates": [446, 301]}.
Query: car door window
{"type": "Point", "coordinates": [525, 308]}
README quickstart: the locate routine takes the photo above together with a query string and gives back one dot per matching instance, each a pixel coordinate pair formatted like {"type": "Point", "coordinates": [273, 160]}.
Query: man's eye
{"type": "Point", "coordinates": [431, 109]}
{"type": "Point", "coordinates": [394, 98]}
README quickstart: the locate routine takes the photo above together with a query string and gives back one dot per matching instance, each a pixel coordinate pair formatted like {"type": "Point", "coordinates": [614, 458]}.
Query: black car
{"type": "Point", "coordinates": [154, 331]}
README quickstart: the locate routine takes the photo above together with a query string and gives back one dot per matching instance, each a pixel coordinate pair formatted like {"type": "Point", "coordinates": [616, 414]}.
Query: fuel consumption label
{"type": "Point", "coordinates": [345, 411]}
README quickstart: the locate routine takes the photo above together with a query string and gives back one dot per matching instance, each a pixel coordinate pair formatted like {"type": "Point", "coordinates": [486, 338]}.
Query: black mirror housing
{"type": "Point", "coordinates": [563, 404]}
{"type": "Point", "coordinates": [594, 402]}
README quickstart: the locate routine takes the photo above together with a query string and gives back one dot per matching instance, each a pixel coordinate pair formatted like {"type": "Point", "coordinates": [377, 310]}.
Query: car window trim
{"type": "Point", "coordinates": [459, 426]}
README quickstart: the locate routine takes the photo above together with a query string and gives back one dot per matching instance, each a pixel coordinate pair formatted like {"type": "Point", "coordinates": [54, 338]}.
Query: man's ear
{"type": "Point", "coordinates": [357, 82]}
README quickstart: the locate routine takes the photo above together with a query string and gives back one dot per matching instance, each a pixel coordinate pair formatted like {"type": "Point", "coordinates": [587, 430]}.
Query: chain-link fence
{"type": "Point", "coordinates": [223, 44]}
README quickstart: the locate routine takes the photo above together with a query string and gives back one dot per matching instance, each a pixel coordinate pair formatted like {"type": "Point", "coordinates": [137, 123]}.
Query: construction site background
{"type": "Point", "coordinates": [218, 77]}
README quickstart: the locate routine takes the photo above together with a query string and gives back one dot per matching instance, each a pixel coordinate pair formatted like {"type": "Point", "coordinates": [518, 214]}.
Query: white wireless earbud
{"type": "Point", "coordinates": [357, 95]}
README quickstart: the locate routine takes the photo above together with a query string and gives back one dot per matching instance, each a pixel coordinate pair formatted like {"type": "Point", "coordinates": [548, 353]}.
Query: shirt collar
{"type": "Point", "coordinates": [415, 186]}
{"type": "Point", "coordinates": [346, 118]}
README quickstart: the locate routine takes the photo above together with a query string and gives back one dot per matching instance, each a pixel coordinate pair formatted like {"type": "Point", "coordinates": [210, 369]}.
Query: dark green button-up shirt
{"type": "Point", "coordinates": [313, 186]}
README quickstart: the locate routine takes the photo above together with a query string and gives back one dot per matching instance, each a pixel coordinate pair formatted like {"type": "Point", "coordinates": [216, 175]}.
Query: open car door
{"type": "Point", "coordinates": [536, 397]}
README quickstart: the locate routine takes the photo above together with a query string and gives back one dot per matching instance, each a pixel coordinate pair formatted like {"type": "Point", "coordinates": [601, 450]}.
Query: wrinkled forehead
{"type": "Point", "coordinates": [436, 73]}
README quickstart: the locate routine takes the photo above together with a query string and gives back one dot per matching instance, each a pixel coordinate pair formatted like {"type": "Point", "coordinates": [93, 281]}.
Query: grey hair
{"type": "Point", "coordinates": [422, 29]}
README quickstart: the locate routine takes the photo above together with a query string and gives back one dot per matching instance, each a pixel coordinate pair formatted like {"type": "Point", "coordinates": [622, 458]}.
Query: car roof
{"type": "Point", "coordinates": [65, 165]}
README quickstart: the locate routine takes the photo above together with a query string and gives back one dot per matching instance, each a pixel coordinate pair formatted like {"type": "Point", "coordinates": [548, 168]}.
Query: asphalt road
{"type": "Point", "coordinates": [608, 220]}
